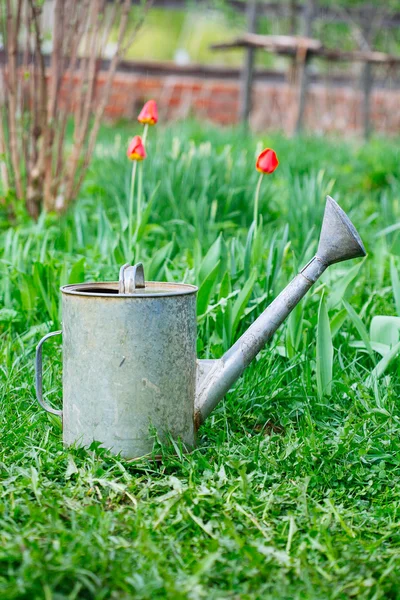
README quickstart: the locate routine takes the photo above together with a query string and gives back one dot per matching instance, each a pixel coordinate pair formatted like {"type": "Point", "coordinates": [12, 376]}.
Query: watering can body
{"type": "Point", "coordinates": [129, 351]}
{"type": "Point", "coordinates": [129, 365]}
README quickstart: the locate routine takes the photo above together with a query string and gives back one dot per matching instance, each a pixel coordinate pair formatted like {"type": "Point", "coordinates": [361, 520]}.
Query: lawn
{"type": "Point", "coordinates": [291, 493]}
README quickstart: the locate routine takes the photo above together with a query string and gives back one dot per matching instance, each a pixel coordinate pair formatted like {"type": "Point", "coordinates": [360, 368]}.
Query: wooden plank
{"type": "Point", "coordinates": [275, 43]}
{"type": "Point", "coordinates": [288, 46]}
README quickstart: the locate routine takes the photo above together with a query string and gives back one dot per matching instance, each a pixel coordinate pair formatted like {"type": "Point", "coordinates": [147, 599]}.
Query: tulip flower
{"type": "Point", "coordinates": [266, 164]}
{"type": "Point", "coordinates": [149, 114]}
{"type": "Point", "coordinates": [136, 149]}
{"type": "Point", "coordinates": [267, 161]}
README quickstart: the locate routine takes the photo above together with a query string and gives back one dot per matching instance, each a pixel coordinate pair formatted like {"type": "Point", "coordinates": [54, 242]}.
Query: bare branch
{"type": "Point", "coordinates": [74, 186]}
{"type": "Point", "coordinates": [3, 146]}
{"type": "Point", "coordinates": [72, 46]}
{"type": "Point", "coordinates": [37, 106]}
{"type": "Point", "coordinates": [53, 92]}
{"type": "Point", "coordinates": [13, 23]}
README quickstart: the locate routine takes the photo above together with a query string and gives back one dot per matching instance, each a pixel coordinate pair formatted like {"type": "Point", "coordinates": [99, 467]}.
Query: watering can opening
{"type": "Point", "coordinates": [111, 290]}
{"type": "Point", "coordinates": [131, 284]}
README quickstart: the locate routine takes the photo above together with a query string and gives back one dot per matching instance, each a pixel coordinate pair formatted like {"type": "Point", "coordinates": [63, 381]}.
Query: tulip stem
{"type": "Point", "coordinates": [256, 199]}
{"type": "Point", "coordinates": [130, 210]}
{"type": "Point", "coordinates": [145, 129]}
{"type": "Point", "coordinates": [140, 186]}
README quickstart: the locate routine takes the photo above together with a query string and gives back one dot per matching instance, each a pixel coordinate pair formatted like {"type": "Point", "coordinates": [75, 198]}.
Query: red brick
{"type": "Point", "coordinates": [328, 108]}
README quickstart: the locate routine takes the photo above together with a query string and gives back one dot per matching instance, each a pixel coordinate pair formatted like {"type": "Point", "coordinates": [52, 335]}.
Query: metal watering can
{"type": "Point", "coordinates": [129, 351]}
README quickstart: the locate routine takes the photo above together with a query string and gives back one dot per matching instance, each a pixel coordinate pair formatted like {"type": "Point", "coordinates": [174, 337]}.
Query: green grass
{"type": "Point", "coordinates": [291, 493]}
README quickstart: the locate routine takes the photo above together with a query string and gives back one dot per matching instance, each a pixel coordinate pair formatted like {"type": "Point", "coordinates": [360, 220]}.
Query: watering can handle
{"type": "Point", "coordinates": [39, 375]}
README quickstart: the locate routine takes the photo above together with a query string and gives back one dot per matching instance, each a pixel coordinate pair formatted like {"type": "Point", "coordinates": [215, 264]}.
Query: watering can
{"type": "Point", "coordinates": [129, 351]}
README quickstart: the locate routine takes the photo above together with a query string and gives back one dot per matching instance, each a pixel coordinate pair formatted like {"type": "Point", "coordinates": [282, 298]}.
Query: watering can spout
{"type": "Point", "coordinates": [339, 241]}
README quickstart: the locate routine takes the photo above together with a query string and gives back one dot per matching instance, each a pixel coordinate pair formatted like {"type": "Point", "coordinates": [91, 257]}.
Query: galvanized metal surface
{"type": "Point", "coordinates": [39, 375]}
{"type": "Point", "coordinates": [131, 278]}
{"type": "Point", "coordinates": [130, 358]}
{"type": "Point", "coordinates": [339, 241]}
{"type": "Point", "coordinates": [129, 364]}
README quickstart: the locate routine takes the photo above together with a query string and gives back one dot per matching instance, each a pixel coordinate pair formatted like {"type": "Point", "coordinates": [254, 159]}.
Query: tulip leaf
{"type": "Point", "coordinates": [383, 364]}
{"type": "Point", "coordinates": [385, 330]}
{"type": "Point", "coordinates": [225, 287]}
{"type": "Point", "coordinates": [276, 253]}
{"type": "Point", "coordinates": [337, 322]}
{"type": "Point", "coordinates": [77, 273]}
{"type": "Point", "coordinates": [341, 285]}
{"type": "Point", "coordinates": [209, 261]}
{"type": "Point", "coordinates": [294, 330]}
{"type": "Point", "coordinates": [359, 325]}
{"type": "Point", "coordinates": [242, 301]}
{"type": "Point", "coordinates": [256, 250]}
{"type": "Point", "coordinates": [324, 351]}
{"type": "Point", "coordinates": [206, 289]}
{"type": "Point", "coordinates": [147, 212]}
{"type": "Point", "coordinates": [381, 349]}
{"type": "Point", "coordinates": [156, 266]}
{"type": "Point", "coordinates": [248, 250]}
{"type": "Point", "coordinates": [120, 250]}
{"type": "Point", "coordinates": [394, 275]}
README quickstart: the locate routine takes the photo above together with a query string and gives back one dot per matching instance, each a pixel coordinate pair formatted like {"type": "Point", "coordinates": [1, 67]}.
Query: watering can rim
{"type": "Point", "coordinates": [155, 289]}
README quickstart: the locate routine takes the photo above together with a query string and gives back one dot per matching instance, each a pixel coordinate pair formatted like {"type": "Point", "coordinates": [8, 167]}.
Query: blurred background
{"type": "Point", "coordinates": [320, 65]}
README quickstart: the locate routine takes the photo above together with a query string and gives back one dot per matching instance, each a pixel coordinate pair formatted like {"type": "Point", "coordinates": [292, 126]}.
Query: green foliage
{"type": "Point", "coordinates": [193, 31]}
{"type": "Point", "coordinates": [291, 493]}
{"type": "Point", "coordinates": [324, 351]}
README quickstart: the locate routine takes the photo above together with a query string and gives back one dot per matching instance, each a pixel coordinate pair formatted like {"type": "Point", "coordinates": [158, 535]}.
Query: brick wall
{"type": "Point", "coordinates": [333, 108]}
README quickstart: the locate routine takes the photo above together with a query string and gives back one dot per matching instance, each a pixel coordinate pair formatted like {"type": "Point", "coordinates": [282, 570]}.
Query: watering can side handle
{"type": "Point", "coordinates": [39, 375]}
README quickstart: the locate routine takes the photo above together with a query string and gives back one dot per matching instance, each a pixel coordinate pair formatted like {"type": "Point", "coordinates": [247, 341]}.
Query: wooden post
{"type": "Point", "coordinates": [366, 101]}
{"type": "Point", "coordinates": [369, 26]}
{"type": "Point", "coordinates": [302, 67]}
{"type": "Point", "coordinates": [302, 84]}
{"type": "Point", "coordinates": [246, 86]}
{"type": "Point", "coordinates": [291, 76]}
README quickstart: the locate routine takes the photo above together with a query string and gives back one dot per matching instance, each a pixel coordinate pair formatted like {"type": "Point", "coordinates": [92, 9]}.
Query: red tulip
{"type": "Point", "coordinates": [149, 114]}
{"type": "Point", "coordinates": [267, 161]}
{"type": "Point", "coordinates": [136, 149]}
